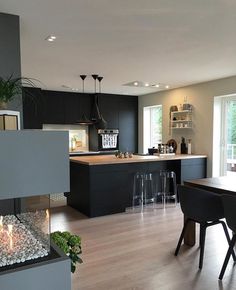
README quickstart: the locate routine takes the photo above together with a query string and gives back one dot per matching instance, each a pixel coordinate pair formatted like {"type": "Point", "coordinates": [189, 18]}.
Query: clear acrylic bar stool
{"type": "Point", "coordinates": [168, 188]}
{"type": "Point", "coordinates": [149, 198]}
{"type": "Point", "coordinates": [138, 191]}
{"type": "Point", "coordinates": [143, 192]}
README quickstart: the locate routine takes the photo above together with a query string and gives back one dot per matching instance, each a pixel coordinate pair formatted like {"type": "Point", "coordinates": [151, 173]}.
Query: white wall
{"type": "Point", "coordinates": [201, 96]}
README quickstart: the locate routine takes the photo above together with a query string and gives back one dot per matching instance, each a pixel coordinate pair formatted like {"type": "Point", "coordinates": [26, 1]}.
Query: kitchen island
{"type": "Point", "coordinates": [103, 184]}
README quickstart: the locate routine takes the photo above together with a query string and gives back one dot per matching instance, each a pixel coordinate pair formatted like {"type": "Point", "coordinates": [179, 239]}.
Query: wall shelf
{"type": "Point", "coordinates": [181, 120]}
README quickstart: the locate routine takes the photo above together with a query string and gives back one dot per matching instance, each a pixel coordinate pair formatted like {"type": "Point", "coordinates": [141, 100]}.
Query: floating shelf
{"type": "Point", "coordinates": [183, 119]}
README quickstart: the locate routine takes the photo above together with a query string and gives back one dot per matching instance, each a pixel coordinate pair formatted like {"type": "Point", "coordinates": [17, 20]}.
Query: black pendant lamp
{"type": "Point", "coordinates": [94, 76]}
{"type": "Point", "coordinates": [84, 120]}
{"type": "Point", "coordinates": [83, 77]}
{"type": "Point", "coordinates": [101, 123]}
{"type": "Point", "coordinates": [100, 80]}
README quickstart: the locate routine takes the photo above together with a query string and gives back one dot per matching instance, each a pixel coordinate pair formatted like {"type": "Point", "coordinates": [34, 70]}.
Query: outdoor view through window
{"type": "Point", "coordinates": [231, 134]}
{"type": "Point", "coordinates": [152, 127]}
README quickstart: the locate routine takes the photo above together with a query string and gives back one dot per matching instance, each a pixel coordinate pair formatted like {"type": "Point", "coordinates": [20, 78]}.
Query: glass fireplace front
{"type": "Point", "coordinates": [24, 231]}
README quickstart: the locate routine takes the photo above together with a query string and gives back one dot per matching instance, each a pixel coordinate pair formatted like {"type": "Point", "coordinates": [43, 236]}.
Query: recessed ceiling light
{"type": "Point", "coordinates": [156, 85]}
{"type": "Point", "coordinates": [141, 84]}
{"type": "Point", "coordinates": [51, 38]}
{"type": "Point", "coordinates": [74, 89]}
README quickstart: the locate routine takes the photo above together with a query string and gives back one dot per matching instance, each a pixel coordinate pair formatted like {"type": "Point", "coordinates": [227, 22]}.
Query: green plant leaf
{"type": "Point", "coordinates": [12, 87]}
{"type": "Point", "coordinates": [70, 245]}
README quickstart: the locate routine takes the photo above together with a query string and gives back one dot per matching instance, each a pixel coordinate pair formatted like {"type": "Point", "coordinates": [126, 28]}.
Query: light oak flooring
{"type": "Point", "coordinates": [133, 251]}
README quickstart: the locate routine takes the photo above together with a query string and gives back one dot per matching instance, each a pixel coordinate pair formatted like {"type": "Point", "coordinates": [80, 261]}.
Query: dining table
{"type": "Point", "coordinates": [219, 185]}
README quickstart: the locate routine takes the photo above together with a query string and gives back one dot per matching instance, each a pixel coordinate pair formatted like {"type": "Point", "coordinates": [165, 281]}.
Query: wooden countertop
{"type": "Point", "coordinates": [111, 159]}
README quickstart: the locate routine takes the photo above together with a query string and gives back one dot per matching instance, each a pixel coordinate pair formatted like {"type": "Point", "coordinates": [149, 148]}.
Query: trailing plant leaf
{"type": "Point", "coordinates": [70, 245]}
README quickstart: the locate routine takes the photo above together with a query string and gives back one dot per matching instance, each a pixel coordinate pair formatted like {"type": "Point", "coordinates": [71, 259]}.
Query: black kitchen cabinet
{"type": "Point", "coordinates": [101, 189]}
{"type": "Point", "coordinates": [76, 105]}
{"type": "Point", "coordinates": [32, 108]}
{"type": "Point", "coordinates": [71, 105]}
{"type": "Point", "coordinates": [128, 124]}
{"type": "Point", "coordinates": [53, 107]}
{"type": "Point", "coordinates": [109, 108]}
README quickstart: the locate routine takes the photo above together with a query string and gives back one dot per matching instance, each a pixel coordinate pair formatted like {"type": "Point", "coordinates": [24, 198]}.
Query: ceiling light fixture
{"type": "Point", "coordinates": [51, 38]}
{"type": "Point", "coordinates": [147, 85]}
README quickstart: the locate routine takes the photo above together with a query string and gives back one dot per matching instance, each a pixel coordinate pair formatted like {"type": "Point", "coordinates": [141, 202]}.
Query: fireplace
{"type": "Point", "coordinates": [24, 231]}
{"type": "Point", "coordinates": [34, 164]}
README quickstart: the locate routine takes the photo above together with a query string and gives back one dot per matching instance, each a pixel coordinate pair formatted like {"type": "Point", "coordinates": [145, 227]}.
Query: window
{"type": "Point", "coordinates": [152, 127]}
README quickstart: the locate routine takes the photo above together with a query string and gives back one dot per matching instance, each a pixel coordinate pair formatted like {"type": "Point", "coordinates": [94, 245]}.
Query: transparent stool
{"type": "Point", "coordinates": [149, 197]}
{"type": "Point", "coordinates": [143, 192]}
{"type": "Point", "coordinates": [138, 191]}
{"type": "Point", "coordinates": [158, 194]}
{"type": "Point", "coordinates": [168, 188]}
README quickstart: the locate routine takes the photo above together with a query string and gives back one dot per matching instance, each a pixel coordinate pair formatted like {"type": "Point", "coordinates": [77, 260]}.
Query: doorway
{"type": "Point", "coordinates": [224, 142]}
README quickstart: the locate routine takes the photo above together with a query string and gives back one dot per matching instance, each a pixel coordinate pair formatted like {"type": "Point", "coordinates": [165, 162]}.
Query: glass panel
{"type": "Point", "coordinates": [24, 230]}
{"type": "Point", "coordinates": [231, 136]}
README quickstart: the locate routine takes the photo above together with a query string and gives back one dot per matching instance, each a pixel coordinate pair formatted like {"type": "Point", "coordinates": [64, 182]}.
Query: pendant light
{"type": "Point", "coordinates": [101, 123]}
{"type": "Point", "coordinates": [94, 76]}
{"type": "Point", "coordinates": [100, 80]}
{"type": "Point", "coordinates": [84, 120]}
{"type": "Point", "coordinates": [83, 77]}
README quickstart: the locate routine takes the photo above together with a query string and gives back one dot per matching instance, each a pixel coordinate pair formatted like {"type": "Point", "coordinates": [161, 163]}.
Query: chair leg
{"type": "Point", "coordinates": [229, 252]}
{"type": "Point", "coordinates": [228, 238]}
{"type": "Point", "coordinates": [202, 244]}
{"type": "Point", "coordinates": [181, 237]}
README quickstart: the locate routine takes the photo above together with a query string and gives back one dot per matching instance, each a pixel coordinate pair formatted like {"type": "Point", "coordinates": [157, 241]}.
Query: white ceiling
{"type": "Point", "coordinates": [175, 42]}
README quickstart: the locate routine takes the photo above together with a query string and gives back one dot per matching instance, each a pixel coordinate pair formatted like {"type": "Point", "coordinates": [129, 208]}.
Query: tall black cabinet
{"type": "Point", "coordinates": [55, 107]}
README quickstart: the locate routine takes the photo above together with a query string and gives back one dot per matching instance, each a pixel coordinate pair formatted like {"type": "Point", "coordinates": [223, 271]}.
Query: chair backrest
{"type": "Point", "coordinates": [229, 203]}
{"type": "Point", "coordinates": [200, 205]}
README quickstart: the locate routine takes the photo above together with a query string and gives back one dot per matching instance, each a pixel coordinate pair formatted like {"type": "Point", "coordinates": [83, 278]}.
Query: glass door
{"type": "Point", "coordinates": [231, 136]}
{"type": "Point", "coordinates": [228, 136]}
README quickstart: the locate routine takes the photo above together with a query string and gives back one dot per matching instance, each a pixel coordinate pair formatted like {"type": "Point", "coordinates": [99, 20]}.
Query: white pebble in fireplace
{"type": "Point", "coordinates": [18, 243]}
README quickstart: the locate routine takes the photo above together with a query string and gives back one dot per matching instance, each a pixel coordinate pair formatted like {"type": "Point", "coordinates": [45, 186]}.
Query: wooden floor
{"type": "Point", "coordinates": [135, 251]}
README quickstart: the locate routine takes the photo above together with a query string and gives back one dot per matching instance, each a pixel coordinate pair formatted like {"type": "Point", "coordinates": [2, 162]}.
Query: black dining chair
{"type": "Point", "coordinates": [203, 207]}
{"type": "Point", "coordinates": [229, 204]}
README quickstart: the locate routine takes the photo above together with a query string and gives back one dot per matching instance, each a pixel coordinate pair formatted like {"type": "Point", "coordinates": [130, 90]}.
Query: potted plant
{"type": "Point", "coordinates": [11, 87]}
{"type": "Point", "coordinates": [70, 244]}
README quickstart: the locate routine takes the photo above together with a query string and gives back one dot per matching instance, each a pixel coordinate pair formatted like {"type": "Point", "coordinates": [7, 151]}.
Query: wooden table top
{"type": "Point", "coordinates": [222, 184]}
{"type": "Point", "coordinates": [111, 159]}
